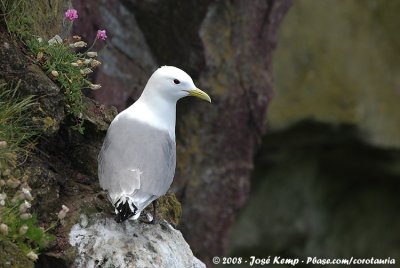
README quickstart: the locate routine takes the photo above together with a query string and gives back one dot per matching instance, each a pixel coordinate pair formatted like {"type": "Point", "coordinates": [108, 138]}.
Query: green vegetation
{"type": "Point", "coordinates": [16, 19]}
{"type": "Point", "coordinates": [59, 59]}
{"type": "Point", "coordinates": [57, 56]}
{"type": "Point", "coordinates": [16, 130]}
{"type": "Point", "coordinates": [69, 69]}
{"type": "Point", "coordinates": [16, 141]}
{"type": "Point", "coordinates": [22, 228]}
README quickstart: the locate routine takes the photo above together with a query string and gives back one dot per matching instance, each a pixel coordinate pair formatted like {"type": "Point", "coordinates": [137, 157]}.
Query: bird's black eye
{"type": "Point", "coordinates": [176, 81]}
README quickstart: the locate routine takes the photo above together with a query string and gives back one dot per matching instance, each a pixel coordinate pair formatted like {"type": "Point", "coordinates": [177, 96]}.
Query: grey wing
{"type": "Point", "coordinates": [136, 156]}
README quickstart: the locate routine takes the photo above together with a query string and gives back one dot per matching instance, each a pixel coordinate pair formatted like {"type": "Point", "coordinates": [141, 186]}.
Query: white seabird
{"type": "Point", "coordinates": [137, 160]}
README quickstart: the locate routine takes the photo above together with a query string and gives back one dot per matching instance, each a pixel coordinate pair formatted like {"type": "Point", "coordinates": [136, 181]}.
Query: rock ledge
{"type": "Point", "coordinates": [101, 242]}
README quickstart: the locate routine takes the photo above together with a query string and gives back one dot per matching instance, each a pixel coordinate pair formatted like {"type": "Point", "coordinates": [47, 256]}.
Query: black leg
{"type": "Point", "coordinates": [154, 209]}
{"type": "Point", "coordinates": [154, 220]}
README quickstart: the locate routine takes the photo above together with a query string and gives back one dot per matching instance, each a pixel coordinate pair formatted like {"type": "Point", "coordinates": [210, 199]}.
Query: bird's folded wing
{"type": "Point", "coordinates": [135, 156]}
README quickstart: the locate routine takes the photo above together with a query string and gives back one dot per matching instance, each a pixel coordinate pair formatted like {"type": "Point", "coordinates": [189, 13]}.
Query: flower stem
{"type": "Point", "coordinates": [9, 210]}
{"type": "Point", "coordinates": [51, 226]}
{"type": "Point", "coordinates": [70, 28]}
{"type": "Point", "coordinates": [94, 42]}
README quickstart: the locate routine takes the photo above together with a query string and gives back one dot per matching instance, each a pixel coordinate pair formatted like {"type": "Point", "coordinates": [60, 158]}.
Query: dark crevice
{"type": "Point", "coordinates": [266, 19]}
{"type": "Point", "coordinates": [47, 261]}
{"type": "Point", "coordinates": [171, 30]}
{"type": "Point", "coordinates": [342, 154]}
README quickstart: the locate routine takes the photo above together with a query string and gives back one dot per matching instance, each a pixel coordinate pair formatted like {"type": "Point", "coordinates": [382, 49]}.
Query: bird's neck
{"type": "Point", "coordinates": [157, 112]}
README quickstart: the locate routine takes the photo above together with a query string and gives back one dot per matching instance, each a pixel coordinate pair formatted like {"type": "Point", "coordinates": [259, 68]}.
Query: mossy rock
{"type": "Point", "coordinates": [12, 256]}
{"type": "Point", "coordinates": [169, 208]}
{"type": "Point", "coordinates": [46, 21]}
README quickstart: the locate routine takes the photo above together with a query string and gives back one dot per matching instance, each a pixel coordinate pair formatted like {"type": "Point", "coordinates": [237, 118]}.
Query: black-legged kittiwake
{"type": "Point", "coordinates": [137, 160]}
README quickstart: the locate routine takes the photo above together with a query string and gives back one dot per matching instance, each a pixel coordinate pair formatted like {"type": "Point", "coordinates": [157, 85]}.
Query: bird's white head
{"type": "Point", "coordinates": [172, 84]}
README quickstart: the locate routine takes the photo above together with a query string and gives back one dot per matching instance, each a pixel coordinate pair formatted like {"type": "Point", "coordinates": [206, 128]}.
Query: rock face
{"type": "Point", "coordinates": [105, 243]}
{"type": "Point", "coordinates": [318, 190]}
{"type": "Point", "coordinates": [345, 75]}
{"type": "Point", "coordinates": [326, 179]}
{"type": "Point", "coordinates": [127, 61]}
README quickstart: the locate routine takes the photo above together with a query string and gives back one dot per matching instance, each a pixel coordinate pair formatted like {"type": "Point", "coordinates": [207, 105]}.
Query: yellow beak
{"type": "Point", "coordinates": [199, 94]}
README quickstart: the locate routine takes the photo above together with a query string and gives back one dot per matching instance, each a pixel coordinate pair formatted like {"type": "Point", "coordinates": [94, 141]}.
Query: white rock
{"type": "Point", "coordinates": [105, 243]}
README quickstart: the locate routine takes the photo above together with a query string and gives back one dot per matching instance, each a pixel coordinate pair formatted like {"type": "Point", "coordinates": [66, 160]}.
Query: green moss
{"type": "Point", "coordinates": [169, 208]}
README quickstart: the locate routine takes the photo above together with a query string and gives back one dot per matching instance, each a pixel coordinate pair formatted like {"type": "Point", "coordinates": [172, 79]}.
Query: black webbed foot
{"type": "Point", "coordinates": [124, 211]}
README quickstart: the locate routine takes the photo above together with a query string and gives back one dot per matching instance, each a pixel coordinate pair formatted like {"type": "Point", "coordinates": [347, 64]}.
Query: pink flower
{"type": "Point", "coordinates": [71, 14]}
{"type": "Point", "coordinates": [101, 34]}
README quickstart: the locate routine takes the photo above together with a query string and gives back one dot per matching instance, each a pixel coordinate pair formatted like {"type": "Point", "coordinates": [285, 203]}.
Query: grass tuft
{"type": "Point", "coordinates": [16, 21]}
{"type": "Point", "coordinates": [16, 130]}
{"type": "Point", "coordinates": [17, 136]}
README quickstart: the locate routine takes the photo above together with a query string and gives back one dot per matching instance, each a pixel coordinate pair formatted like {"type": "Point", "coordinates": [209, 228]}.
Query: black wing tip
{"type": "Point", "coordinates": [124, 211]}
